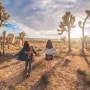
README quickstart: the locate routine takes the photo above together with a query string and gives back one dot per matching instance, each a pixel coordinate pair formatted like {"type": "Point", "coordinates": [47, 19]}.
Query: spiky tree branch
{"type": "Point", "coordinates": [67, 23]}
{"type": "Point", "coordinates": [82, 26]}
{"type": "Point", "coordinates": [22, 35]}
{"type": "Point", "coordinates": [3, 15]}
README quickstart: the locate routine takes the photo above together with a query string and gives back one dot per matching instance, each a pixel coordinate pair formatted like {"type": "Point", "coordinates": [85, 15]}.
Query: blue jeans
{"type": "Point", "coordinates": [28, 66]}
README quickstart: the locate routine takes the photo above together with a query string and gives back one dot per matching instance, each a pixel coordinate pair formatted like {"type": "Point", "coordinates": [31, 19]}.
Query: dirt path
{"type": "Point", "coordinates": [11, 73]}
{"type": "Point", "coordinates": [63, 76]}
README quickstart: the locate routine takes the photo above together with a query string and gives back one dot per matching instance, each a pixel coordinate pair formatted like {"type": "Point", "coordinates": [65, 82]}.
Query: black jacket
{"type": "Point", "coordinates": [25, 51]}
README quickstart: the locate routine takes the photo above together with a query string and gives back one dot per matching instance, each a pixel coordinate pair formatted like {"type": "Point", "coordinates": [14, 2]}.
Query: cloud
{"type": "Point", "coordinates": [42, 16]}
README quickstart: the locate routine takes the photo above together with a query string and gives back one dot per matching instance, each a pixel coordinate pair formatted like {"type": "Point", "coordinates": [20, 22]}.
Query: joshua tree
{"type": "Point", "coordinates": [82, 25]}
{"type": "Point", "coordinates": [67, 23]}
{"type": "Point", "coordinates": [85, 40]}
{"type": "Point", "coordinates": [1, 41]}
{"type": "Point", "coordinates": [64, 40]}
{"type": "Point", "coordinates": [3, 15]}
{"type": "Point", "coordinates": [4, 33]}
{"type": "Point", "coordinates": [21, 35]}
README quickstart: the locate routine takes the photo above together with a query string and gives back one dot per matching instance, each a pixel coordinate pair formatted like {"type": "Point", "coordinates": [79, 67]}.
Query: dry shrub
{"type": "Point", "coordinates": [41, 64]}
{"type": "Point", "coordinates": [83, 72]}
{"type": "Point", "coordinates": [39, 49]}
{"type": "Point", "coordinates": [20, 88]}
{"type": "Point", "coordinates": [75, 51]}
{"type": "Point", "coordinates": [46, 77]}
{"type": "Point", "coordinates": [56, 56]}
{"type": "Point", "coordinates": [88, 77]}
{"type": "Point", "coordinates": [11, 87]}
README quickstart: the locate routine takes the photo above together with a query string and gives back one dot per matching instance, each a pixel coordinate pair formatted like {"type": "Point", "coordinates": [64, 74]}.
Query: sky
{"type": "Point", "coordinates": [41, 18]}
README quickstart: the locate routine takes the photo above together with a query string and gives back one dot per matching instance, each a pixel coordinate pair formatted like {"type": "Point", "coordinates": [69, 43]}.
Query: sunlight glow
{"type": "Point", "coordinates": [76, 33]}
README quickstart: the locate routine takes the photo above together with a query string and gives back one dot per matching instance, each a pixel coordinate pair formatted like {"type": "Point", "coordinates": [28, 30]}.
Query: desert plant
{"type": "Point", "coordinates": [83, 72]}
{"type": "Point", "coordinates": [67, 23]}
{"type": "Point", "coordinates": [85, 40]}
{"type": "Point", "coordinates": [1, 41]}
{"type": "Point", "coordinates": [46, 78]}
{"type": "Point", "coordinates": [64, 40]}
{"type": "Point", "coordinates": [21, 36]}
{"type": "Point", "coordinates": [82, 26]}
{"type": "Point", "coordinates": [20, 88]}
{"type": "Point", "coordinates": [88, 78]}
{"type": "Point", "coordinates": [3, 15]}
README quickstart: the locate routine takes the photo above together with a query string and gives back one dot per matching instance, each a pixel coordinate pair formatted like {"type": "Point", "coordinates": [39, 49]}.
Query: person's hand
{"type": "Point", "coordinates": [33, 61]}
{"type": "Point", "coordinates": [12, 55]}
{"type": "Point", "coordinates": [38, 54]}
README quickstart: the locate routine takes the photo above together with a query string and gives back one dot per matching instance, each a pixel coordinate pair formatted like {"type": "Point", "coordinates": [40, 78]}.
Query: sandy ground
{"type": "Point", "coordinates": [63, 75]}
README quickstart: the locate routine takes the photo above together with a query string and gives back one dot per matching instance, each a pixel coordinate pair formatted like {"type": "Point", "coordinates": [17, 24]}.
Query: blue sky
{"type": "Point", "coordinates": [40, 18]}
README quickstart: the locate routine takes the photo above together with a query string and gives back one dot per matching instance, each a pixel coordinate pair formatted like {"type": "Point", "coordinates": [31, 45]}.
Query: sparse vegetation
{"type": "Point", "coordinates": [67, 23]}
{"type": "Point", "coordinates": [64, 71]}
{"type": "Point", "coordinates": [81, 72]}
{"type": "Point", "coordinates": [70, 67]}
{"type": "Point", "coordinates": [82, 26]}
{"type": "Point", "coordinates": [88, 77]}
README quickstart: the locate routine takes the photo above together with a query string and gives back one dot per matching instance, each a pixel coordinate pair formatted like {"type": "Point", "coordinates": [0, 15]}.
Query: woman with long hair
{"type": "Point", "coordinates": [49, 50]}
{"type": "Point", "coordinates": [26, 54]}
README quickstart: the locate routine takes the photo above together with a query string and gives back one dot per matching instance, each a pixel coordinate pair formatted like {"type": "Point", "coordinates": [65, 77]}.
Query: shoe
{"type": "Point", "coordinates": [28, 75]}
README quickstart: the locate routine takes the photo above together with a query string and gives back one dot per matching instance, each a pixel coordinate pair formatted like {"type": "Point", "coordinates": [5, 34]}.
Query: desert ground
{"type": "Point", "coordinates": [70, 71]}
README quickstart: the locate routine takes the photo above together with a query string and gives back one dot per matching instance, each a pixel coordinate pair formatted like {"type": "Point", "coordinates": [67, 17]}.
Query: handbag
{"type": "Point", "coordinates": [48, 57]}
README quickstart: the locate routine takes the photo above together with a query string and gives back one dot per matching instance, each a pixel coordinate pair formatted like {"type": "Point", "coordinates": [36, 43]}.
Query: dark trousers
{"type": "Point", "coordinates": [28, 66]}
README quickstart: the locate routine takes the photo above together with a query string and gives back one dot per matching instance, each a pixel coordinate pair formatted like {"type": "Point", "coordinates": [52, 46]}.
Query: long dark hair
{"type": "Point", "coordinates": [26, 46]}
{"type": "Point", "coordinates": [49, 44]}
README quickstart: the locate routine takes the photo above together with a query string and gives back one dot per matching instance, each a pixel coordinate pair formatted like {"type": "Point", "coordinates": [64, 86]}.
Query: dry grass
{"type": "Point", "coordinates": [66, 73]}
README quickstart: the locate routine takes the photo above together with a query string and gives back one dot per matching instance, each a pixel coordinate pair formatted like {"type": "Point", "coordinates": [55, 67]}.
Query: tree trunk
{"type": "Point", "coordinates": [83, 33]}
{"type": "Point", "coordinates": [3, 45]}
{"type": "Point", "coordinates": [83, 40]}
{"type": "Point", "coordinates": [22, 41]}
{"type": "Point", "coordinates": [69, 45]}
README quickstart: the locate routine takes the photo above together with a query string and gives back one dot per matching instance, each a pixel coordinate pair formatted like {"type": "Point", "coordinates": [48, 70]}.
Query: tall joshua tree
{"type": "Point", "coordinates": [85, 40]}
{"type": "Point", "coordinates": [64, 40]}
{"type": "Point", "coordinates": [22, 35]}
{"type": "Point", "coordinates": [82, 26]}
{"type": "Point", "coordinates": [3, 17]}
{"type": "Point", "coordinates": [67, 23]}
{"type": "Point", "coordinates": [1, 41]}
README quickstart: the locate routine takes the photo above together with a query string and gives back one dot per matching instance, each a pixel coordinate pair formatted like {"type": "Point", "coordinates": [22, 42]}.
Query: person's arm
{"type": "Point", "coordinates": [16, 54]}
{"type": "Point", "coordinates": [56, 51]}
{"type": "Point", "coordinates": [42, 51]}
{"type": "Point", "coordinates": [28, 54]}
{"type": "Point", "coordinates": [34, 51]}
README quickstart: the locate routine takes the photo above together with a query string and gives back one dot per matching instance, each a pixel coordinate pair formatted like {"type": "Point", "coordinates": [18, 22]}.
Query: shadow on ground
{"type": "Point", "coordinates": [81, 82]}
{"type": "Point", "coordinates": [42, 83]}
{"type": "Point", "coordinates": [5, 58]}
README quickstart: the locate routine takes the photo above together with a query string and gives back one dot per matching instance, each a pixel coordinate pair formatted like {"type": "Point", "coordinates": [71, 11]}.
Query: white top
{"type": "Point", "coordinates": [50, 51]}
